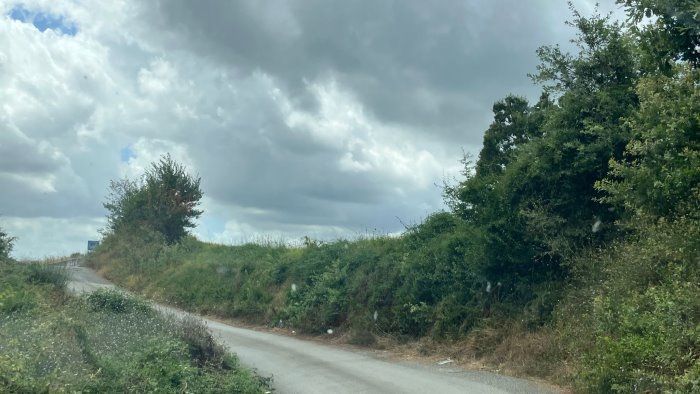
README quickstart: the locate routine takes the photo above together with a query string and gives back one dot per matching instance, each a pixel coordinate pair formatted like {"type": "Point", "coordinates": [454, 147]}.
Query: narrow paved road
{"type": "Point", "coordinates": [299, 366]}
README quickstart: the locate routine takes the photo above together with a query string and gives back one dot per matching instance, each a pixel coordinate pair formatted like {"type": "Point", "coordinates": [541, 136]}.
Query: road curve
{"type": "Point", "coordinates": [299, 366]}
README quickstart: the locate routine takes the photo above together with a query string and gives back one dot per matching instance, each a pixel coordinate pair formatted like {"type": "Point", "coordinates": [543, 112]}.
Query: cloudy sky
{"type": "Point", "coordinates": [321, 118]}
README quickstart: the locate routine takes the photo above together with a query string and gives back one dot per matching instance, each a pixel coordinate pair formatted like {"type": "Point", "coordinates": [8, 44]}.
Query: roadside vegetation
{"type": "Point", "coordinates": [105, 342]}
{"type": "Point", "coordinates": [570, 250]}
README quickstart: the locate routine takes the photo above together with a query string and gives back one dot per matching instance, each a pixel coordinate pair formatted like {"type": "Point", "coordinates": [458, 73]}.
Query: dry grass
{"type": "Point", "coordinates": [513, 351]}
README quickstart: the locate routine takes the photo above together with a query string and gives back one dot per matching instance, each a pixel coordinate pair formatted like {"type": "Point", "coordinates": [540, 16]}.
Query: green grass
{"type": "Point", "coordinates": [627, 320]}
{"type": "Point", "coordinates": [105, 342]}
{"type": "Point", "coordinates": [426, 282]}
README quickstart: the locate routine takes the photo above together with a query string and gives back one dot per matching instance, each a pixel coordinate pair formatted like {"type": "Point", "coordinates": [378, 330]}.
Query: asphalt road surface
{"type": "Point", "coordinates": [301, 366]}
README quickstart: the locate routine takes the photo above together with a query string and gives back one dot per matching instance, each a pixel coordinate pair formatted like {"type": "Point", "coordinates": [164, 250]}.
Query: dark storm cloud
{"type": "Point", "coordinates": [434, 65]}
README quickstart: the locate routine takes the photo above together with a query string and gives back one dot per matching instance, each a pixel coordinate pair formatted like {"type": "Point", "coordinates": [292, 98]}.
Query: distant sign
{"type": "Point", "coordinates": [92, 245]}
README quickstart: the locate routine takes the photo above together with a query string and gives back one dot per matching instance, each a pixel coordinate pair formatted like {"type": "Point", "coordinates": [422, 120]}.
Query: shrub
{"type": "Point", "coordinates": [115, 301]}
{"type": "Point", "coordinates": [160, 368]}
{"type": "Point", "coordinates": [641, 318]}
{"type": "Point", "coordinates": [203, 349]}
{"type": "Point", "coordinates": [52, 274]}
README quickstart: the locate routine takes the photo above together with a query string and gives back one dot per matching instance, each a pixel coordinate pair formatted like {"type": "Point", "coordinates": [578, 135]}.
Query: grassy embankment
{"type": "Point", "coordinates": [52, 341]}
{"type": "Point", "coordinates": [628, 316]}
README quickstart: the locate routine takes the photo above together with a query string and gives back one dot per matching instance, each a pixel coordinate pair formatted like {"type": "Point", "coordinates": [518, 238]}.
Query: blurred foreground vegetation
{"type": "Point", "coordinates": [106, 342]}
{"type": "Point", "coordinates": [571, 250]}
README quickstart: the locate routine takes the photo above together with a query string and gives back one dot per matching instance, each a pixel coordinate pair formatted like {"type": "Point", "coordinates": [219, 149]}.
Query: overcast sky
{"type": "Point", "coordinates": [321, 118]}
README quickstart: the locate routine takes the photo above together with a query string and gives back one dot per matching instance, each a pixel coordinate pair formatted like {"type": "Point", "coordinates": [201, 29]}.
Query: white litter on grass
{"type": "Point", "coordinates": [375, 316]}
{"type": "Point", "coordinates": [330, 331]}
{"type": "Point", "coordinates": [488, 287]}
{"type": "Point", "coordinates": [222, 270]}
{"type": "Point", "coordinates": [596, 226]}
{"type": "Point", "coordinates": [446, 361]}
{"type": "Point", "coordinates": [294, 287]}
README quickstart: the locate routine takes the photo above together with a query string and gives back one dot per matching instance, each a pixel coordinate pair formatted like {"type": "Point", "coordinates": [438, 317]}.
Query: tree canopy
{"type": "Point", "coordinates": [164, 200]}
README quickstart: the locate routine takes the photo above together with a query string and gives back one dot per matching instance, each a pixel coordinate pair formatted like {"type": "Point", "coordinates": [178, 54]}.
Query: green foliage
{"type": "Point", "coordinates": [16, 292]}
{"type": "Point", "coordinates": [52, 274]}
{"type": "Point", "coordinates": [513, 126]}
{"type": "Point", "coordinates": [670, 31]}
{"type": "Point", "coordinates": [322, 302]}
{"type": "Point", "coordinates": [530, 199]}
{"type": "Point", "coordinates": [639, 313]}
{"type": "Point", "coordinates": [202, 347]}
{"type": "Point", "coordinates": [67, 344]}
{"type": "Point", "coordinates": [115, 301]}
{"type": "Point", "coordinates": [164, 200]}
{"type": "Point", "coordinates": [418, 283]}
{"type": "Point", "coordinates": [131, 251]}
{"type": "Point", "coordinates": [660, 172]}
{"type": "Point", "coordinates": [16, 299]}
{"type": "Point", "coordinates": [6, 243]}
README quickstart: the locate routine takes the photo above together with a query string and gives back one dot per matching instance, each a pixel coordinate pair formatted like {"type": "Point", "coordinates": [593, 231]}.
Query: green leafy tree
{"type": "Point", "coordinates": [512, 127]}
{"type": "Point", "coordinates": [555, 176]}
{"type": "Point", "coordinates": [671, 31]}
{"type": "Point", "coordinates": [660, 173]}
{"type": "Point", "coordinates": [531, 193]}
{"type": "Point", "coordinates": [6, 243]}
{"type": "Point", "coordinates": [165, 200]}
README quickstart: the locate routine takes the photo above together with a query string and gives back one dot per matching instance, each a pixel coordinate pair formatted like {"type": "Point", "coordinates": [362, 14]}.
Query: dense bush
{"type": "Point", "coordinates": [425, 282]}
{"type": "Point", "coordinates": [633, 324]}
{"type": "Point", "coordinates": [115, 301]}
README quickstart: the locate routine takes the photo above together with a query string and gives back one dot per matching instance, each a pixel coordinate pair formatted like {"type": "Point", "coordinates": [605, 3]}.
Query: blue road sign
{"type": "Point", "coordinates": [92, 245]}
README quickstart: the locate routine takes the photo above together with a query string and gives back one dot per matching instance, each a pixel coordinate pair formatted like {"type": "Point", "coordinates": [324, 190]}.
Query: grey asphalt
{"type": "Point", "coordinates": [302, 366]}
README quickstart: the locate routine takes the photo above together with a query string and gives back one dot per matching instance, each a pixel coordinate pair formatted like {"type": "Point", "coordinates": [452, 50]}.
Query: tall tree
{"type": "Point", "coordinates": [6, 243]}
{"type": "Point", "coordinates": [532, 190]}
{"type": "Point", "coordinates": [584, 130]}
{"type": "Point", "coordinates": [165, 200]}
{"type": "Point", "coordinates": [512, 127]}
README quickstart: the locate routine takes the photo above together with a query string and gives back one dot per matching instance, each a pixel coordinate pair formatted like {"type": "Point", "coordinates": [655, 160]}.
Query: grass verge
{"type": "Point", "coordinates": [104, 342]}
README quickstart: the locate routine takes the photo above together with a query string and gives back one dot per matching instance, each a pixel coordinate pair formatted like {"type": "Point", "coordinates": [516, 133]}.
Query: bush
{"type": "Point", "coordinates": [640, 326]}
{"type": "Point", "coordinates": [202, 347]}
{"type": "Point", "coordinates": [160, 367]}
{"type": "Point", "coordinates": [52, 274]}
{"type": "Point", "coordinates": [16, 299]}
{"type": "Point", "coordinates": [115, 301]}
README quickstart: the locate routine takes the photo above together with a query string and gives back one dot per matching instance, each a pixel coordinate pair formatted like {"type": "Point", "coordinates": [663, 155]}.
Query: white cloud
{"type": "Point", "coordinates": [40, 237]}
{"type": "Point", "coordinates": [320, 121]}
